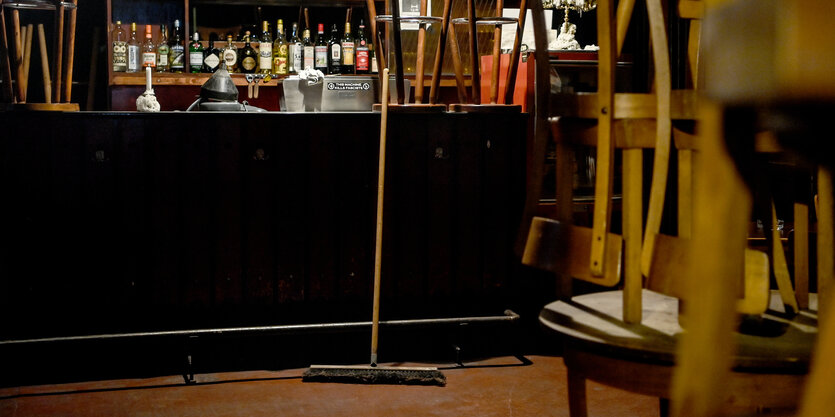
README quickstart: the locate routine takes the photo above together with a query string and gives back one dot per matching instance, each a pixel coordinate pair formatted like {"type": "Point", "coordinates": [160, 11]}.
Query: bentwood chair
{"type": "Point", "coordinates": [58, 78]}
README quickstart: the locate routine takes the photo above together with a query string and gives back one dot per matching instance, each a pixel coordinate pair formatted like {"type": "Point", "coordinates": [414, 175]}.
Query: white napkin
{"type": "Point", "coordinates": [313, 76]}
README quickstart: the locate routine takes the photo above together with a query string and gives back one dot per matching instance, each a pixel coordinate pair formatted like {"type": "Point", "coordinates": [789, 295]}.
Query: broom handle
{"type": "Point", "coordinates": [378, 239]}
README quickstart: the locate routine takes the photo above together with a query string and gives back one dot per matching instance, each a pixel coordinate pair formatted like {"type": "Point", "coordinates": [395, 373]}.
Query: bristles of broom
{"type": "Point", "coordinates": [373, 374]}
{"type": "Point", "coordinates": [366, 374]}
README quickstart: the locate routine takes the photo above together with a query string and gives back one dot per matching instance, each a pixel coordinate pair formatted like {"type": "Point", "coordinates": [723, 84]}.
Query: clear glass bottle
{"type": "Point", "coordinates": [280, 54]}
{"type": "Point", "coordinates": [149, 49]}
{"type": "Point", "coordinates": [347, 45]}
{"type": "Point", "coordinates": [320, 50]}
{"type": "Point", "coordinates": [248, 61]}
{"type": "Point", "coordinates": [363, 51]}
{"type": "Point", "coordinates": [211, 56]}
{"type": "Point", "coordinates": [133, 50]}
{"type": "Point", "coordinates": [195, 54]}
{"type": "Point", "coordinates": [230, 55]}
{"type": "Point", "coordinates": [163, 50]}
{"type": "Point", "coordinates": [308, 51]}
{"type": "Point", "coordinates": [294, 51]}
{"type": "Point", "coordinates": [120, 48]}
{"type": "Point", "coordinates": [176, 55]}
{"type": "Point", "coordinates": [265, 49]}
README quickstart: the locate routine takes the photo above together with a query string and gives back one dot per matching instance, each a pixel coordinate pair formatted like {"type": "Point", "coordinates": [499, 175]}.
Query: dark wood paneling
{"type": "Point", "coordinates": [142, 221]}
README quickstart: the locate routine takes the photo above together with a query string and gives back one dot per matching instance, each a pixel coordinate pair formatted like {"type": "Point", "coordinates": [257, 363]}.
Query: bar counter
{"type": "Point", "coordinates": [154, 221]}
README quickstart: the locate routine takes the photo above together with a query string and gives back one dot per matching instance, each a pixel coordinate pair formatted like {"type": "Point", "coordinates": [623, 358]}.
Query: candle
{"type": "Point", "coordinates": [148, 78]}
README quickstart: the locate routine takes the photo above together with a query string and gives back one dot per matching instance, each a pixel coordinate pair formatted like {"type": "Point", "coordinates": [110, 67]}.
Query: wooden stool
{"type": "Point", "coordinates": [475, 104]}
{"type": "Point", "coordinates": [58, 77]}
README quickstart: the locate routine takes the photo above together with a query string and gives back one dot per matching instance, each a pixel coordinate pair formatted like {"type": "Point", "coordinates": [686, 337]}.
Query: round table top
{"type": "Point", "coordinates": [594, 322]}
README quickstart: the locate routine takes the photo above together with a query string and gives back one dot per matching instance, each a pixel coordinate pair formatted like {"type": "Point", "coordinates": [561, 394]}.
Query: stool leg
{"type": "Point", "coordinates": [434, 89]}
{"type": "Point", "coordinates": [513, 65]}
{"type": "Point", "coordinates": [421, 53]}
{"type": "Point", "coordinates": [18, 60]}
{"type": "Point", "coordinates": [58, 47]}
{"type": "Point", "coordinates": [70, 54]}
{"type": "Point", "coordinates": [476, 77]}
{"type": "Point", "coordinates": [457, 64]}
{"type": "Point", "coordinates": [8, 91]}
{"type": "Point", "coordinates": [497, 57]}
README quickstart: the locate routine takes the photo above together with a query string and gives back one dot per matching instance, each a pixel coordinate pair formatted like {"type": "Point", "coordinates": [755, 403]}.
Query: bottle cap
{"type": "Point", "coordinates": [321, 27]}
{"type": "Point", "coordinates": [196, 36]}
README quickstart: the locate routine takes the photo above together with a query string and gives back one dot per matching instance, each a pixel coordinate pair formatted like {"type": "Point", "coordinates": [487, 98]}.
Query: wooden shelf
{"type": "Point", "coordinates": [188, 79]}
{"type": "Point", "coordinates": [181, 79]}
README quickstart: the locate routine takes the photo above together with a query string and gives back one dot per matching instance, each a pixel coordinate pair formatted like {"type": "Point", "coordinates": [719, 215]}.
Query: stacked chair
{"type": "Point", "coordinates": [628, 337]}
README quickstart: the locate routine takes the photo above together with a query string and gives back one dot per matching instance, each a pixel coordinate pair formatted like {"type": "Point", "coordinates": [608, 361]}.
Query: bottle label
{"type": "Point", "coordinates": [321, 56]}
{"type": "Point", "coordinates": [362, 60]}
{"type": "Point", "coordinates": [248, 63]}
{"type": "Point", "coordinates": [195, 59]}
{"type": "Point", "coordinates": [347, 53]}
{"type": "Point", "coordinates": [295, 55]}
{"type": "Point", "coordinates": [336, 53]}
{"type": "Point", "coordinates": [149, 59]}
{"type": "Point", "coordinates": [120, 56]}
{"type": "Point", "coordinates": [280, 65]}
{"type": "Point", "coordinates": [162, 59]}
{"type": "Point", "coordinates": [231, 57]}
{"type": "Point", "coordinates": [265, 55]}
{"type": "Point", "coordinates": [133, 58]}
{"type": "Point", "coordinates": [177, 57]}
{"type": "Point", "coordinates": [211, 61]}
{"type": "Point", "coordinates": [309, 60]}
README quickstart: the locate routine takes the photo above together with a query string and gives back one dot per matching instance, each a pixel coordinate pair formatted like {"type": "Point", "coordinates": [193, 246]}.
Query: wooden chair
{"type": "Point", "coordinates": [472, 21]}
{"type": "Point", "coordinates": [58, 78]}
{"type": "Point", "coordinates": [608, 121]}
{"type": "Point", "coordinates": [628, 338]}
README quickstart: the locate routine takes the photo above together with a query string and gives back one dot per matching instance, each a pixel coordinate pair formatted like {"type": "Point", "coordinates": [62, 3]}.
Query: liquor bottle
{"type": "Point", "coordinates": [320, 50]}
{"type": "Point", "coordinates": [120, 48]}
{"type": "Point", "coordinates": [149, 49]}
{"type": "Point", "coordinates": [347, 45]}
{"type": "Point", "coordinates": [248, 61]}
{"type": "Point", "coordinates": [280, 53]}
{"type": "Point", "coordinates": [195, 54]}
{"type": "Point", "coordinates": [363, 51]}
{"type": "Point", "coordinates": [211, 55]}
{"type": "Point", "coordinates": [176, 54]}
{"type": "Point", "coordinates": [334, 52]}
{"type": "Point", "coordinates": [294, 51]}
{"type": "Point", "coordinates": [308, 51]}
{"type": "Point", "coordinates": [162, 50]}
{"type": "Point", "coordinates": [230, 55]}
{"type": "Point", "coordinates": [265, 49]}
{"type": "Point", "coordinates": [133, 50]}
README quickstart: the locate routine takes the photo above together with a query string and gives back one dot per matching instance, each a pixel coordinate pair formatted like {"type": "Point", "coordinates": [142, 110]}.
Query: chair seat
{"type": "Point", "coordinates": [594, 323]}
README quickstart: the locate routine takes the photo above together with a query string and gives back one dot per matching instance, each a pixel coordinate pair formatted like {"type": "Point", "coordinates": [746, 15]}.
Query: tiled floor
{"type": "Point", "coordinates": [501, 386]}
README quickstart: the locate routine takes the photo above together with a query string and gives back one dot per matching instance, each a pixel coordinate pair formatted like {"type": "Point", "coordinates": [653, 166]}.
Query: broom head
{"type": "Point", "coordinates": [365, 374]}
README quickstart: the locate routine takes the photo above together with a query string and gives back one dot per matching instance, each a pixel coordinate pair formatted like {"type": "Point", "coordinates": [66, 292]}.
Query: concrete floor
{"type": "Point", "coordinates": [500, 386]}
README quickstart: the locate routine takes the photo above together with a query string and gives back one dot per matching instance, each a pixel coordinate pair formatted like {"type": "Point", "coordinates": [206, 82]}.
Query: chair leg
{"type": "Point", "coordinates": [576, 394]}
{"type": "Point", "coordinates": [801, 254]}
{"type": "Point", "coordinates": [8, 91]}
{"type": "Point", "coordinates": [826, 240]}
{"type": "Point", "coordinates": [632, 228]}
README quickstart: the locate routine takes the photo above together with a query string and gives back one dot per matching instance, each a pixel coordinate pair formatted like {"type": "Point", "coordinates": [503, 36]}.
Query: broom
{"type": "Point", "coordinates": [373, 374]}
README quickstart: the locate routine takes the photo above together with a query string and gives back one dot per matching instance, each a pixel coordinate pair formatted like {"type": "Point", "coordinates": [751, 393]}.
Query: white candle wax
{"type": "Point", "coordinates": [148, 78]}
